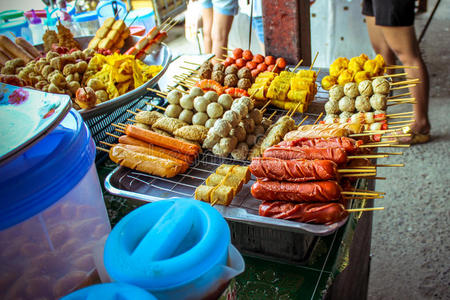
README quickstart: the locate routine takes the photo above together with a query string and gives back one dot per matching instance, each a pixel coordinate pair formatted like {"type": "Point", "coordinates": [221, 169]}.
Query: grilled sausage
{"type": "Point", "coordinates": [336, 155]}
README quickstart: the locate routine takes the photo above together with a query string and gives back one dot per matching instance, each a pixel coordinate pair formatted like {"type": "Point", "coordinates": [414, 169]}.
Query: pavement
{"type": "Point", "coordinates": [411, 237]}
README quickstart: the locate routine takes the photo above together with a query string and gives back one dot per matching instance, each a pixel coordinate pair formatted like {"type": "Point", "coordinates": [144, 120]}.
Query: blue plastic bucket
{"type": "Point", "coordinates": [52, 214]}
{"type": "Point", "coordinates": [105, 9]}
{"type": "Point", "coordinates": [110, 291]}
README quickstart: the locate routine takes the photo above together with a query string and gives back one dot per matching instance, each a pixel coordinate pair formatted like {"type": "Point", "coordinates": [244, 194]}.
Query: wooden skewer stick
{"type": "Point", "coordinates": [379, 193]}
{"type": "Point", "coordinates": [365, 209]}
{"type": "Point", "coordinates": [374, 145]}
{"type": "Point", "coordinates": [391, 165]}
{"type": "Point", "coordinates": [405, 82]}
{"type": "Point", "coordinates": [359, 175]}
{"type": "Point", "coordinates": [295, 109]}
{"type": "Point", "coordinates": [156, 106]}
{"type": "Point", "coordinates": [396, 136]}
{"type": "Point", "coordinates": [271, 116]}
{"type": "Point", "coordinates": [102, 149]}
{"type": "Point", "coordinates": [192, 63]}
{"type": "Point", "coordinates": [400, 95]}
{"type": "Point", "coordinates": [113, 135]}
{"type": "Point", "coordinates": [132, 121]}
{"type": "Point", "coordinates": [304, 119]}
{"type": "Point", "coordinates": [122, 124]}
{"type": "Point", "coordinates": [107, 144]}
{"type": "Point", "coordinates": [157, 92]}
{"type": "Point", "coordinates": [401, 67]}
{"type": "Point", "coordinates": [402, 99]}
{"type": "Point", "coordinates": [390, 153]}
{"type": "Point", "coordinates": [364, 167]}
{"type": "Point", "coordinates": [401, 117]}
{"type": "Point", "coordinates": [139, 110]}
{"type": "Point", "coordinates": [392, 75]}
{"type": "Point", "coordinates": [298, 65]}
{"type": "Point", "coordinates": [176, 89]}
{"type": "Point", "coordinates": [131, 112]}
{"type": "Point", "coordinates": [363, 197]}
{"type": "Point", "coordinates": [189, 69]}
{"type": "Point", "coordinates": [397, 103]}
{"type": "Point", "coordinates": [396, 127]}
{"type": "Point", "coordinates": [367, 156]}
{"type": "Point", "coordinates": [376, 178]}
{"type": "Point", "coordinates": [318, 118]}
{"type": "Point", "coordinates": [117, 126]}
{"type": "Point", "coordinates": [120, 130]}
{"type": "Point", "coordinates": [314, 60]}
{"type": "Point", "coordinates": [172, 26]}
{"type": "Point", "coordinates": [362, 134]}
{"type": "Point", "coordinates": [355, 170]}
{"type": "Point", "coordinates": [366, 193]}
{"type": "Point", "coordinates": [225, 48]}
{"type": "Point", "coordinates": [403, 87]}
{"type": "Point", "coordinates": [288, 112]}
{"type": "Point", "coordinates": [401, 114]}
{"type": "Point", "coordinates": [220, 60]}
{"type": "Point", "coordinates": [401, 122]}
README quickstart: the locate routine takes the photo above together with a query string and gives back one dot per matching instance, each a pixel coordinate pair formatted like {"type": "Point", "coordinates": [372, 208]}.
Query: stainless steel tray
{"type": "Point", "coordinates": [129, 183]}
{"type": "Point", "coordinates": [162, 56]}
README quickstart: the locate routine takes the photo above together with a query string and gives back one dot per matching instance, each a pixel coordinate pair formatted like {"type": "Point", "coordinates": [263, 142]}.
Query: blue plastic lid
{"type": "Point", "coordinates": [110, 291]}
{"type": "Point", "coordinates": [86, 16]}
{"type": "Point", "coordinates": [17, 23]}
{"type": "Point", "coordinates": [167, 243]}
{"type": "Point", "coordinates": [46, 172]}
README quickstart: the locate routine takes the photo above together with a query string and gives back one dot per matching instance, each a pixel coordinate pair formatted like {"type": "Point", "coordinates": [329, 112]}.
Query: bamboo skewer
{"type": "Point", "coordinates": [157, 92]}
{"type": "Point", "coordinates": [413, 81]}
{"type": "Point", "coordinates": [402, 100]}
{"type": "Point", "coordinates": [367, 156]}
{"type": "Point", "coordinates": [318, 118]}
{"type": "Point", "coordinates": [363, 197]}
{"type": "Point", "coordinates": [400, 117]}
{"type": "Point", "coordinates": [374, 145]}
{"type": "Point", "coordinates": [192, 63]}
{"type": "Point", "coordinates": [302, 121]}
{"type": "Point", "coordinates": [107, 144]}
{"type": "Point", "coordinates": [401, 122]}
{"type": "Point", "coordinates": [117, 126]}
{"type": "Point", "coordinates": [314, 60]}
{"type": "Point", "coordinates": [156, 106]}
{"type": "Point", "coordinates": [397, 103]}
{"type": "Point", "coordinates": [400, 95]}
{"type": "Point", "coordinates": [113, 135]}
{"type": "Point", "coordinates": [266, 104]}
{"type": "Point", "coordinates": [365, 209]}
{"type": "Point", "coordinates": [271, 116]}
{"type": "Point", "coordinates": [102, 149]}
{"type": "Point", "coordinates": [131, 112]}
{"type": "Point", "coordinates": [356, 171]}
{"type": "Point", "coordinates": [295, 109]}
{"type": "Point", "coordinates": [359, 175]}
{"type": "Point", "coordinates": [403, 87]}
{"type": "Point", "coordinates": [390, 153]}
{"type": "Point", "coordinates": [392, 75]}
{"type": "Point", "coordinates": [396, 136]}
{"type": "Point", "coordinates": [297, 66]}
{"type": "Point", "coordinates": [400, 67]}
{"type": "Point", "coordinates": [390, 165]}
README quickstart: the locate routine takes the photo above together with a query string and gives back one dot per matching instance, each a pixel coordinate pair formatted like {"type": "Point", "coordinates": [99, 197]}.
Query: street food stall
{"type": "Point", "coordinates": [251, 178]}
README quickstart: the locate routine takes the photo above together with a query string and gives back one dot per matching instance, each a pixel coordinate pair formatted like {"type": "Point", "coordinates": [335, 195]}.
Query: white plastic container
{"type": "Point", "coordinates": [51, 215]}
{"type": "Point", "coordinates": [88, 22]}
{"type": "Point", "coordinates": [142, 17]}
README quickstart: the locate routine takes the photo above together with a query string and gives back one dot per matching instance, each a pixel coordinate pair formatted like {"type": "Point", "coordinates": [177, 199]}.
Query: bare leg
{"type": "Point", "coordinates": [378, 42]}
{"type": "Point", "coordinates": [220, 30]}
{"type": "Point", "coordinates": [402, 40]}
{"type": "Point", "coordinates": [207, 16]}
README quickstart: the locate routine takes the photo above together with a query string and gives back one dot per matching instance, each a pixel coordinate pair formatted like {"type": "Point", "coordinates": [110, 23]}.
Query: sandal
{"type": "Point", "coordinates": [415, 138]}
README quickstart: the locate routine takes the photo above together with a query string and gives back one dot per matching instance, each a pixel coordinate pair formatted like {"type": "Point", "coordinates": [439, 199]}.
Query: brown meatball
{"type": "Point", "coordinates": [231, 70]}
{"type": "Point", "coordinates": [205, 73]}
{"type": "Point", "coordinates": [218, 76]}
{"type": "Point", "coordinates": [219, 67]}
{"type": "Point", "coordinates": [207, 65]}
{"type": "Point", "coordinates": [231, 80]}
{"type": "Point", "coordinates": [244, 83]}
{"type": "Point", "coordinates": [244, 73]}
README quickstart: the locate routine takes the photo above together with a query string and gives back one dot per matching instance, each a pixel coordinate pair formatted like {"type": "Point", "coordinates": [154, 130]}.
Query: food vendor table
{"type": "Point", "coordinates": [322, 276]}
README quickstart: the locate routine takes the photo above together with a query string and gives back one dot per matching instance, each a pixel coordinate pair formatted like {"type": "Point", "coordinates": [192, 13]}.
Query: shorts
{"type": "Point", "coordinates": [225, 7]}
{"type": "Point", "coordinates": [390, 12]}
{"type": "Point", "coordinates": [257, 23]}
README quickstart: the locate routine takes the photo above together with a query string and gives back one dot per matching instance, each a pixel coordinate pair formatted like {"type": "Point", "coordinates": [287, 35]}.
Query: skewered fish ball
{"type": "Point", "coordinates": [222, 128]}
{"type": "Point", "coordinates": [200, 103]}
{"type": "Point", "coordinates": [378, 102]}
{"type": "Point", "coordinates": [240, 108]}
{"type": "Point", "coordinates": [362, 104]}
{"type": "Point", "coordinates": [219, 151]}
{"type": "Point", "coordinates": [332, 107]}
{"type": "Point", "coordinates": [259, 130]}
{"type": "Point", "coordinates": [329, 119]}
{"type": "Point", "coordinates": [186, 116]}
{"type": "Point", "coordinates": [240, 152]}
{"type": "Point", "coordinates": [365, 88]}
{"type": "Point", "coordinates": [214, 110]}
{"type": "Point", "coordinates": [351, 89]}
{"type": "Point", "coordinates": [219, 67]}
{"type": "Point", "coordinates": [244, 73]}
{"type": "Point", "coordinates": [225, 100]}
{"type": "Point", "coordinates": [249, 125]}
{"type": "Point", "coordinates": [231, 70]}
{"type": "Point", "coordinates": [251, 140]}
{"type": "Point", "coordinates": [256, 115]}
{"type": "Point", "coordinates": [173, 111]}
{"type": "Point", "coordinates": [228, 143]}
{"type": "Point", "coordinates": [218, 76]}
{"type": "Point", "coordinates": [344, 116]}
{"type": "Point", "coordinates": [336, 93]}
{"type": "Point", "coordinates": [210, 123]}
{"type": "Point", "coordinates": [233, 117]}
{"type": "Point", "coordinates": [230, 80]}
{"type": "Point", "coordinates": [211, 140]}
{"type": "Point", "coordinates": [369, 117]}
{"type": "Point", "coordinates": [196, 91]}
{"type": "Point", "coordinates": [244, 83]}
{"type": "Point", "coordinates": [211, 96]}
{"type": "Point", "coordinates": [205, 73]}
{"type": "Point", "coordinates": [247, 101]}
{"type": "Point", "coordinates": [347, 104]}
{"type": "Point", "coordinates": [199, 118]}
{"type": "Point", "coordinates": [174, 96]}
{"type": "Point", "coordinates": [381, 86]}
{"type": "Point", "coordinates": [239, 133]}
{"type": "Point", "coordinates": [187, 102]}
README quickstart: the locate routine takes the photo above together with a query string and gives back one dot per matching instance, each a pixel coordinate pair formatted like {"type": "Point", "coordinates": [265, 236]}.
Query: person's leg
{"type": "Point", "coordinates": [207, 17]}
{"type": "Point", "coordinates": [378, 42]}
{"type": "Point", "coordinates": [402, 40]}
{"type": "Point", "coordinates": [220, 30]}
